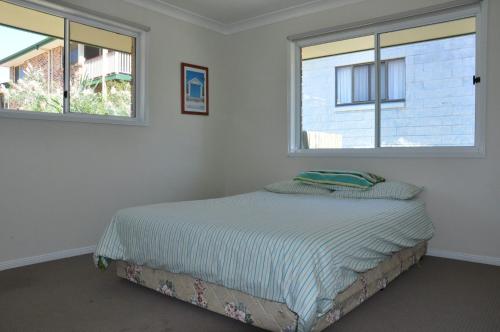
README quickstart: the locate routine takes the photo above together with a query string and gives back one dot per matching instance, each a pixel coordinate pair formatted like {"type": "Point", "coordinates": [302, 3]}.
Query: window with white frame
{"type": "Point", "coordinates": [56, 65]}
{"type": "Point", "coordinates": [403, 87]}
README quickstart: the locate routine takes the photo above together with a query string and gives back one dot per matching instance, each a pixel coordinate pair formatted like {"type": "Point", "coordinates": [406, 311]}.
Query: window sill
{"type": "Point", "coordinates": [369, 107]}
{"type": "Point", "coordinates": [395, 152]}
{"type": "Point", "coordinates": [73, 117]}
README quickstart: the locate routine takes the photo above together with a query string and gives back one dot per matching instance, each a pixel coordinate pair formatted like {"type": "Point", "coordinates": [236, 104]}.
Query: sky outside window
{"type": "Point", "coordinates": [13, 41]}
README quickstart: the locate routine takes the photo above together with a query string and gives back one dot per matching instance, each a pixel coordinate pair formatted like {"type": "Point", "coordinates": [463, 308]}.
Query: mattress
{"type": "Point", "coordinates": [268, 315]}
{"type": "Point", "coordinates": [300, 250]}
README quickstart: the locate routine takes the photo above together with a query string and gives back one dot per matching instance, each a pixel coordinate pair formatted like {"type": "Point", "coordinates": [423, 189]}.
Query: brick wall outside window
{"type": "Point", "coordinates": [41, 62]}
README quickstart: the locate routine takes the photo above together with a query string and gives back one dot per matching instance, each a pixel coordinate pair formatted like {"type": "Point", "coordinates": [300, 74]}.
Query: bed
{"type": "Point", "coordinates": [277, 261]}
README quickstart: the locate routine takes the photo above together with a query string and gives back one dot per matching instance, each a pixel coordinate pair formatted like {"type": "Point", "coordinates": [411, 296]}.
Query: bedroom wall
{"type": "Point", "coordinates": [61, 182]}
{"type": "Point", "coordinates": [462, 195]}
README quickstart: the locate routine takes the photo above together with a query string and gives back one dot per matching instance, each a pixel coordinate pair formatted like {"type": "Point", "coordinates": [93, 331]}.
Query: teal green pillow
{"type": "Point", "coordinates": [351, 179]}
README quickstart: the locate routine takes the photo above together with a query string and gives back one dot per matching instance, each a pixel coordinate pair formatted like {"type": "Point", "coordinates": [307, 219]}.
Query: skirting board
{"type": "Point", "coordinates": [459, 256]}
{"type": "Point", "coordinates": [88, 250]}
{"type": "Point", "coordinates": [46, 257]}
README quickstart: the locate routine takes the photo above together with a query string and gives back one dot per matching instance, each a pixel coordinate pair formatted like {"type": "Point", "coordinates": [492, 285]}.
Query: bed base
{"type": "Point", "coordinates": [269, 315]}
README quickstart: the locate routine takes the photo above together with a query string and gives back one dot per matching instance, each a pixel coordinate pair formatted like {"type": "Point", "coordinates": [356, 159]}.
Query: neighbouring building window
{"type": "Point", "coordinates": [356, 83]}
{"type": "Point", "coordinates": [18, 73]}
{"type": "Point", "coordinates": [91, 52]}
{"type": "Point", "coordinates": [73, 54]}
{"type": "Point", "coordinates": [102, 77]}
{"type": "Point", "coordinates": [415, 87]}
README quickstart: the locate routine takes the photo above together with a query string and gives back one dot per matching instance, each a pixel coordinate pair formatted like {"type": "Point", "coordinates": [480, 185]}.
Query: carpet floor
{"type": "Point", "coordinates": [71, 295]}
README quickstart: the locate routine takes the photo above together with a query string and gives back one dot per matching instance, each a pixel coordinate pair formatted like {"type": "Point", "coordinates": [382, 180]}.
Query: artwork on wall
{"type": "Point", "coordinates": [194, 87]}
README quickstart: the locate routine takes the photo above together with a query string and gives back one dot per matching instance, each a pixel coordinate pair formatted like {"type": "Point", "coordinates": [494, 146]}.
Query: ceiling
{"type": "Point", "coordinates": [230, 16]}
{"type": "Point", "coordinates": [233, 11]}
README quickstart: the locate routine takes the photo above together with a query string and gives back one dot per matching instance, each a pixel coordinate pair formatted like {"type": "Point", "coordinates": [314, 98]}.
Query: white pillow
{"type": "Point", "coordinates": [388, 190]}
{"type": "Point", "coordinates": [383, 190]}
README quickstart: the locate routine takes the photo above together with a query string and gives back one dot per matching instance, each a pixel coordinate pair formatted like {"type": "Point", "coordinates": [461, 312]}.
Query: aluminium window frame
{"type": "Point", "coordinates": [371, 98]}
{"type": "Point", "coordinates": [71, 13]}
{"type": "Point", "coordinates": [432, 15]}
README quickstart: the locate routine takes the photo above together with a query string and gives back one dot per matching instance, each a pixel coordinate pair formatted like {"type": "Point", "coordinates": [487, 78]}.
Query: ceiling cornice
{"type": "Point", "coordinates": [181, 14]}
{"type": "Point", "coordinates": [247, 24]}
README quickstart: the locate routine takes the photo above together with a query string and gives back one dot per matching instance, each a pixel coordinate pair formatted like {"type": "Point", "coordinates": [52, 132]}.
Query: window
{"type": "Point", "coordinates": [73, 54]}
{"type": "Point", "coordinates": [404, 87]}
{"type": "Point", "coordinates": [18, 73]}
{"type": "Point", "coordinates": [101, 81]}
{"type": "Point", "coordinates": [91, 52]}
{"type": "Point", "coordinates": [355, 84]}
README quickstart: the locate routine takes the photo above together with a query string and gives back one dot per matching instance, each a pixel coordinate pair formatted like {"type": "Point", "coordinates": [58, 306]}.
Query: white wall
{"type": "Point", "coordinates": [463, 195]}
{"type": "Point", "coordinates": [60, 183]}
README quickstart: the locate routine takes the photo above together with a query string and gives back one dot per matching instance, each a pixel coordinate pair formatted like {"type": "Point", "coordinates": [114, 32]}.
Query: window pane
{"type": "Point", "coordinates": [383, 81]}
{"type": "Point", "coordinates": [102, 71]}
{"type": "Point", "coordinates": [329, 119]}
{"type": "Point", "coordinates": [396, 83]}
{"type": "Point", "coordinates": [372, 82]}
{"type": "Point", "coordinates": [361, 83]}
{"type": "Point", "coordinates": [344, 85]}
{"type": "Point", "coordinates": [31, 67]}
{"type": "Point", "coordinates": [435, 79]}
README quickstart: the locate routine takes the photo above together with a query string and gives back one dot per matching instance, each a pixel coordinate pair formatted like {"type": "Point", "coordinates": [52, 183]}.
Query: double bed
{"type": "Point", "coordinates": [281, 262]}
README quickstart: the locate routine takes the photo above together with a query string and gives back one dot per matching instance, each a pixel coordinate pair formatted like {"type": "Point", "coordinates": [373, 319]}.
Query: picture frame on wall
{"type": "Point", "coordinates": [194, 89]}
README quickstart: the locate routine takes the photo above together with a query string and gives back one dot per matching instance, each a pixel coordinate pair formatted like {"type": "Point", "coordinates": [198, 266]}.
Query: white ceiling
{"type": "Point", "coordinates": [230, 16]}
{"type": "Point", "coordinates": [232, 11]}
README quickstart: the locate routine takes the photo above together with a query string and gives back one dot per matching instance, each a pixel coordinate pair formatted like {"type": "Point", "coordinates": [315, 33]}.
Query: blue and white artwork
{"type": "Point", "coordinates": [195, 81]}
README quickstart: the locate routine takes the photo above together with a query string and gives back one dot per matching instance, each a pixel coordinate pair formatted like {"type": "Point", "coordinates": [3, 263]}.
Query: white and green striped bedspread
{"type": "Point", "coordinates": [301, 250]}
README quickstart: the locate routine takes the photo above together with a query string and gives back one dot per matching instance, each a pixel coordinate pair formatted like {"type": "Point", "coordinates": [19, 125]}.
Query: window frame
{"type": "Point", "coordinates": [376, 27]}
{"type": "Point", "coordinates": [371, 100]}
{"type": "Point", "coordinates": [140, 107]}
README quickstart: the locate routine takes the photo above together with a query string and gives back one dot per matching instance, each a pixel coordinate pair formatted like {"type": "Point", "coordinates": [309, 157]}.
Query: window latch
{"type": "Point", "coordinates": [476, 79]}
{"type": "Point", "coordinates": [65, 94]}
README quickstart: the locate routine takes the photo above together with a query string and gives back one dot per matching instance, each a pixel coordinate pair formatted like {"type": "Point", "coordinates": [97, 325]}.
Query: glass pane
{"type": "Point", "coordinates": [396, 80]}
{"type": "Point", "coordinates": [361, 83]}
{"type": "Point", "coordinates": [102, 71]}
{"type": "Point", "coordinates": [430, 70]}
{"type": "Point", "coordinates": [383, 81]}
{"type": "Point", "coordinates": [31, 60]}
{"type": "Point", "coordinates": [329, 118]}
{"type": "Point", "coordinates": [344, 85]}
{"type": "Point", "coordinates": [372, 82]}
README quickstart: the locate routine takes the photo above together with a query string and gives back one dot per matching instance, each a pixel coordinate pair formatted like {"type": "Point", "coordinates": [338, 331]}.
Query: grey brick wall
{"type": "Point", "coordinates": [440, 98]}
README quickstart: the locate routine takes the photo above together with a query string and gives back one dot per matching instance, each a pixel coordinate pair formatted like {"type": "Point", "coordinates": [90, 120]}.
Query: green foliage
{"type": "Point", "coordinates": [33, 94]}
{"type": "Point", "coordinates": [30, 93]}
{"type": "Point", "coordinates": [86, 97]}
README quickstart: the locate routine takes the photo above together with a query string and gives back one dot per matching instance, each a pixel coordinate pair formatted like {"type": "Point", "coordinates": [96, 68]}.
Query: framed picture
{"type": "Point", "coordinates": [194, 87]}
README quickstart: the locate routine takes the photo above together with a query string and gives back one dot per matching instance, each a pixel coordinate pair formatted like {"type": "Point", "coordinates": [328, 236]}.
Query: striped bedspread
{"type": "Point", "coordinates": [301, 250]}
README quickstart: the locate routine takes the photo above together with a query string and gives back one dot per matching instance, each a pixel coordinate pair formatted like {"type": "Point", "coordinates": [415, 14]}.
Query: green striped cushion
{"type": "Point", "coordinates": [351, 179]}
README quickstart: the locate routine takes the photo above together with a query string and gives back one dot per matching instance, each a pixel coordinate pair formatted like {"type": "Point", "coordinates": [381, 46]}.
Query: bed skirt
{"type": "Point", "coordinates": [269, 315]}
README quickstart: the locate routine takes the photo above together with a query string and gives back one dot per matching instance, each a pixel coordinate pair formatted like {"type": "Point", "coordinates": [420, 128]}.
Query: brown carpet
{"type": "Point", "coordinates": [70, 295]}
